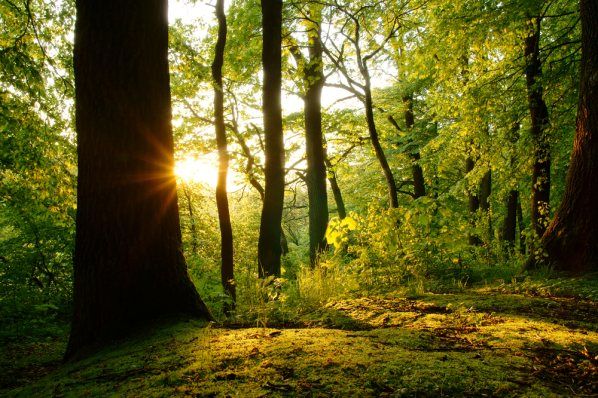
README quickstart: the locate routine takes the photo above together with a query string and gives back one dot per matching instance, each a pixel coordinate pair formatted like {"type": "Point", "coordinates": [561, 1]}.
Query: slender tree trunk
{"type": "Point", "coordinates": [473, 203]}
{"type": "Point", "coordinates": [129, 267]}
{"type": "Point", "coordinates": [375, 139]}
{"type": "Point", "coordinates": [193, 233]}
{"type": "Point", "coordinates": [485, 192]}
{"type": "Point", "coordinates": [315, 152]}
{"type": "Point", "coordinates": [257, 185]}
{"type": "Point", "coordinates": [508, 232]}
{"type": "Point", "coordinates": [336, 191]}
{"type": "Point", "coordinates": [522, 248]}
{"type": "Point", "coordinates": [509, 226]}
{"type": "Point", "coordinates": [226, 230]}
{"type": "Point", "coordinates": [419, 185]}
{"type": "Point", "coordinates": [540, 214]}
{"type": "Point", "coordinates": [571, 240]}
{"type": "Point", "coordinates": [269, 247]}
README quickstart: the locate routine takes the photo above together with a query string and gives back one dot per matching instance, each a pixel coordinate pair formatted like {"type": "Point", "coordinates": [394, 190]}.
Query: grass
{"type": "Point", "coordinates": [496, 340]}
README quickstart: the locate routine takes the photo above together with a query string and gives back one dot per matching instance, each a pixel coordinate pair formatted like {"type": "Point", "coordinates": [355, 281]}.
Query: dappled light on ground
{"type": "Point", "coordinates": [464, 344]}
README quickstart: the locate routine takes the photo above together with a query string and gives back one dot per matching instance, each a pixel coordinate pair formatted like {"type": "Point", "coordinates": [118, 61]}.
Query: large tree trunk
{"type": "Point", "coordinates": [419, 185]}
{"type": "Point", "coordinates": [226, 230]}
{"type": "Point", "coordinates": [314, 143]}
{"type": "Point", "coordinates": [269, 247]}
{"type": "Point", "coordinates": [540, 214]}
{"type": "Point", "coordinates": [129, 267]}
{"type": "Point", "coordinates": [571, 240]}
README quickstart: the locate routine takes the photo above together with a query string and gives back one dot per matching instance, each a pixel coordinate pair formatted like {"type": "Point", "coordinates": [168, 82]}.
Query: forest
{"type": "Point", "coordinates": [302, 198]}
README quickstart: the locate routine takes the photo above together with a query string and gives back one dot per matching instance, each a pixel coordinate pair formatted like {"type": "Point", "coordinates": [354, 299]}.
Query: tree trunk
{"type": "Point", "coordinates": [129, 267]}
{"type": "Point", "coordinates": [522, 248]}
{"type": "Point", "coordinates": [315, 152]}
{"type": "Point", "coordinates": [256, 183]}
{"type": "Point", "coordinates": [192, 225]}
{"type": "Point", "coordinates": [380, 155]}
{"type": "Point", "coordinates": [540, 214]}
{"type": "Point", "coordinates": [508, 232]}
{"type": "Point", "coordinates": [485, 192]}
{"type": "Point", "coordinates": [571, 240]}
{"type": "Point", "coordinates": [509, 226]}
{"type": "Point", "coordinates": [226, 231]}
{"type": "Point", "coordinates": [474, 203]}
{"type": "Point", "coordinates": [419, 185]}
{"type": "Point", "coordinates": [336, 191]}
{"type": "Point", "coordinates": [269, 245]}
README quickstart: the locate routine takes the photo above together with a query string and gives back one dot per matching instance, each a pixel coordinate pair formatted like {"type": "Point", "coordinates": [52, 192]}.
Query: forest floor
{"type": "Point", "coordinates": [478, 342]}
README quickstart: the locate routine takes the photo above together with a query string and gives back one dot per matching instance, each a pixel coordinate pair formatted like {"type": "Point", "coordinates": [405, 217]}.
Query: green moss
{"type": "Point", "coordinates": [467, 344]}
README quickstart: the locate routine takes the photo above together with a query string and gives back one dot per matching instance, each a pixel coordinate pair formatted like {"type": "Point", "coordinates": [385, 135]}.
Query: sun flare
{"type": "Point", "coordinates": [203, 170]}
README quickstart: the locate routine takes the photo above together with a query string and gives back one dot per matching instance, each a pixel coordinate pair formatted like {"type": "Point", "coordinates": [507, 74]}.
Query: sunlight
{"type": "Point", "coordinates": [194, 169]}
{"type": "Point", "coordinates": [204, 170]}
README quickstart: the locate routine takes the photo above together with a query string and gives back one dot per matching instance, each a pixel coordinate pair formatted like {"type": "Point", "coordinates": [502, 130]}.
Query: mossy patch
{"type": "Point", "coordinates": [467, 344]}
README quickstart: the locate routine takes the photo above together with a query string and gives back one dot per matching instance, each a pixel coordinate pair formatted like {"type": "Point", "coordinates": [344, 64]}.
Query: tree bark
{"type": "Point", "coordinates": [226, 231]}
{"type": "Point", "coordinates": [540, 214]}
{"type": "Point", "coordinates": [129, 268]}
{"type": "Point", "coordinates": [571, 240]}
{"type": "Point", "coordinates": [269, 247]}
{"type": "Point", "coordinates": [314, 143]}
{"type": "Point", "coordinates": [419, 185]}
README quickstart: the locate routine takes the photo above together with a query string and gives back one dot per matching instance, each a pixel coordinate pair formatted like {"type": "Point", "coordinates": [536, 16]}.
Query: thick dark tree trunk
{"type": "Point", "coordinates": [540, 214]}
{"type": "Point", "coordinates": [336, 191]}
{"type": "Point", "coordinates": [129, 267]}
{"type": "Point", "coordinates": [571, 240]}
{"type": "Point", "coordinates": [226, 230]}
{"type": "Point", "coordinates": [419, 185]}
{"type": "Point", "coordinates": [314, 143]}
{"type": "Point", "coordinates": [269, 247]}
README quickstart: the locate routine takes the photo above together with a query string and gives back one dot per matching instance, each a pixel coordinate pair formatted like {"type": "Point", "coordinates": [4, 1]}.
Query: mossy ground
{"type": "Point", "coordinates": [481, 342]}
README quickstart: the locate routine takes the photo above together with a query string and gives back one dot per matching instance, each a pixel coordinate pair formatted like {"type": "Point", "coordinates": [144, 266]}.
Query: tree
{"type": "Point", "coordinates": [366, 43]}
{"type": "Point", "coordinates": [539, 120]}
{"type": "Point", "coordinates": [129, 267]}
{"type": "Point", "coordinates": [313, 82]}
{"type": "Point", "coordinates": [226, 231]}
{"type": "Point", "coordinates": [269, 248]}
{"type": "Point", "coordinates": [571, 240]}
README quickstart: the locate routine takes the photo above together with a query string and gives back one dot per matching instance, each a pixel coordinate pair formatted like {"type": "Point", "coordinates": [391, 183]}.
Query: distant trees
{"type": "Point", "coordinates": [269, 247]}
{"type": "Point", "coordinates": [571, 240]}
{"type": "Point", "coordinates": [129, 267]}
